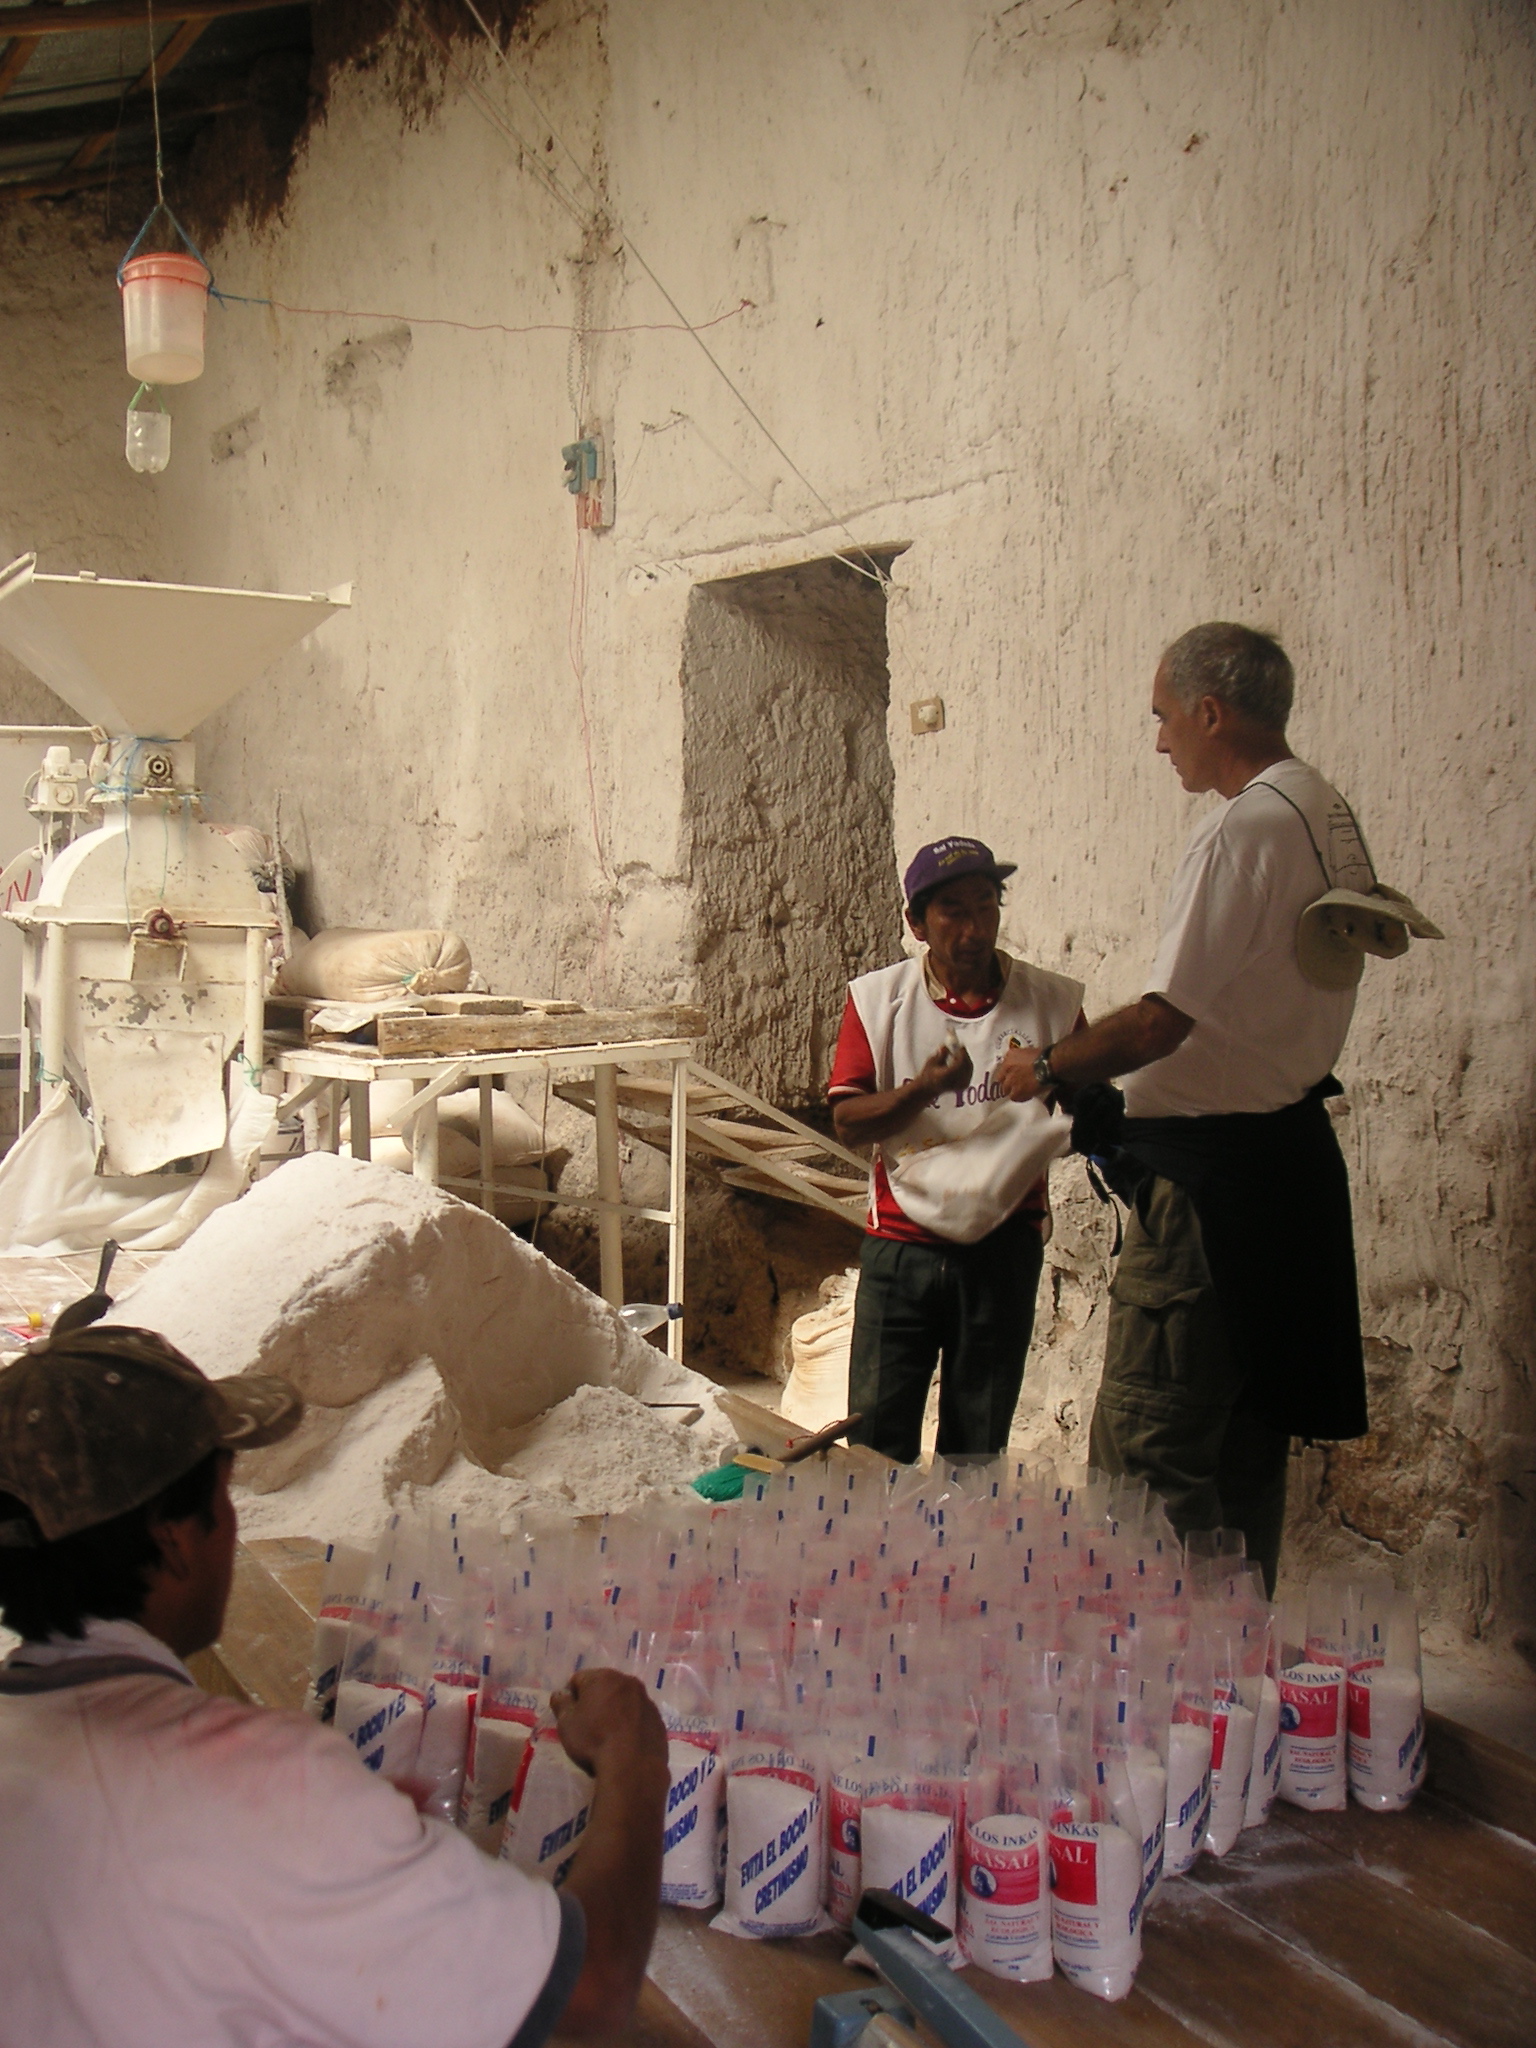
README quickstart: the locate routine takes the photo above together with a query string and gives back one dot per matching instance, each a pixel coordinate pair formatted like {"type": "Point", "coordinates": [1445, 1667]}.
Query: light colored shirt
{"type": "Point", "coordinates": [1263, 1035]}
{"type": "Point", "coordinates": [182, 1869]}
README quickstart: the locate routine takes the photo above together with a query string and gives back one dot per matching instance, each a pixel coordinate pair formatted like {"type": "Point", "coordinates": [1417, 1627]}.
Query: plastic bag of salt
{"type": "Point", "coordinates": [1242, 1649]}
{"type": "Point", "coordinates": [678, 1676]}
{"type": "Point", "coordinates": [514, 1693]}
{"type": "Point", "coordinates": [381, 1699]}
{"type": "Point", "coordinates": [1189, 1758]}
{"type": "Point", "coordinates": [774, 1797]}
{"type": "Point", "coordinates": [1005, 1919]}
{"type": "Point", "coordinates": [910, 1822]}
{"type": "Point", "coordinates": [343, 1594]}
{"type": "Point", "coordinates": [1313, 1669]}
{"type": "Point", "coordinates": [551, 1805]}
{"type": "Point", "coordinates": [460, 1605]}
{"type": "Point", "coordinates": [1096, 1889]}
{"type": "Point", "coordinates": [1386, 1751]}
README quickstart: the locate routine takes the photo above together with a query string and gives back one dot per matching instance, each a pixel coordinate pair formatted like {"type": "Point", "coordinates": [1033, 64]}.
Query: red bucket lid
{"type": "Point", "coordinates": [180, 269]}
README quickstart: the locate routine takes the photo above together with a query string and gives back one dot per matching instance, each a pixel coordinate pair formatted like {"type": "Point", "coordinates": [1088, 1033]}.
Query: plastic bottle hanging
{"type": "Point", "coordinates": [148, 443]}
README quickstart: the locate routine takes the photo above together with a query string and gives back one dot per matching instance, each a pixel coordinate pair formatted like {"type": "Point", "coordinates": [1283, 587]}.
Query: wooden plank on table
{"type": "Point", "coordinates": [1444, 1977]}
{"type": "Point", "coordinates": [1492, 1781]}
{"type": "Point", "coordinates": [1447, 1859]}
{"type": "Point", "coordinates": [1233, 1983]}
{"type": "Point", "coordinates": [534, 1033]}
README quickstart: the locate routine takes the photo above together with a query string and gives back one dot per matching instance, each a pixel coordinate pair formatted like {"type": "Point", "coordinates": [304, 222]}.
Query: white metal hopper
{"type": "Point", "coordinates": [149, 659]}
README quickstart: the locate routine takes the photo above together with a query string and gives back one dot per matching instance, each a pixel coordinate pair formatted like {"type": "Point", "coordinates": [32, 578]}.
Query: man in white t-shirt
{"type": "Point", "coordinates": [184, 1871]}
{"type": "Point", "coordinates": [1234, 1322]}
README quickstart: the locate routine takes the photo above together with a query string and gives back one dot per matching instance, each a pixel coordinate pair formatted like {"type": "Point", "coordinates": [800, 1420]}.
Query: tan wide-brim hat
{"type": "Point", "coordinates": [102, 1419]}
{"type": "Point", "coordinates": [1334, 934]}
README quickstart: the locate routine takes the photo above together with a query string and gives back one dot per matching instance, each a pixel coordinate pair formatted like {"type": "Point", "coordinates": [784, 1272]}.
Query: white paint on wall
{"type": "Point", "coordinates": [1115, 316]}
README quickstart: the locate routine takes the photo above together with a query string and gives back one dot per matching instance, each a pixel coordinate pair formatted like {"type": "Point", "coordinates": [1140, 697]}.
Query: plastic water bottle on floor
{"type": "Point", "coordinates": [644, 1316]}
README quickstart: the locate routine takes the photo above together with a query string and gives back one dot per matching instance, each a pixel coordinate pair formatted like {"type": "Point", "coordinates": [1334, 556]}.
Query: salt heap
{"type": "Point", "coordinates": [415, 1326]}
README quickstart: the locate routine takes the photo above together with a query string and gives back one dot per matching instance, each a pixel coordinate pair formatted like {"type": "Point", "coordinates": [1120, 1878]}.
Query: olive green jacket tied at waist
{"type": "Point", "coordinates": [1272, 1196]}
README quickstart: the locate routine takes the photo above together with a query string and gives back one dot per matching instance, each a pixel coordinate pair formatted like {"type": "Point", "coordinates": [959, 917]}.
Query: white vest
{"type": "Point", "coordinates": [962, 1167]}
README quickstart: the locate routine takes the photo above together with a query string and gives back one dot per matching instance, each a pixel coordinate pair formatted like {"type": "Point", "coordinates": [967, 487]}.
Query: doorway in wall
{"type": "Point", "coordinates": [788, 784]}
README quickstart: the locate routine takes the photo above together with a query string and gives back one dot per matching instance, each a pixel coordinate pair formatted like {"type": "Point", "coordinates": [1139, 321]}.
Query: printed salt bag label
{"type": "Point", "coordinates": [550, 1808]}
{"type": "Point", "coordinates": [1232, 1733]}
{"type": "Point", "coordinates": [383, 1724]}
{"type": "Point", "coordinates": [1003, 1902]}
{"type": "Point", "coordinates": [1312, 1761]}
{"type": "Point", "coordinates": [844, 1853]}
{"type": "Point", "coordinates": [1189, 1795]}
{"type": "Point", "coordinates": [1386, 1752]}
{"type": "Point", "coordinates": [1096, 1905]}
{"type": "Point", "coordinates": [498, 1738]}
{"type": "Point", "coordinates": [690, 1858]}
{"type": "Point", "coordinates": [911, 1852]}
{"type": "Point", "coordinates": [773, 1865]}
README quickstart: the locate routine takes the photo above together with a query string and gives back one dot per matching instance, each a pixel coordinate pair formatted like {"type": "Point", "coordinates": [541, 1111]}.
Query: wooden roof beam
{"type": "Point", "coordinates": [165, 62]}
{"type": "Point", "coordinates": [112, 14]}
{"type": "Point", "coordinates": [14, 62]}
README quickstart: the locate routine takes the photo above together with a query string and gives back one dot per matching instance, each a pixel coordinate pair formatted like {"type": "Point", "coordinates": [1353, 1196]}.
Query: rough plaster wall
{"type": "Point", "coordinates": [1118, 316]}
{"type": "Point", "coordinates": [65, 490]}
{"type": "Point", "coordinates": [787, 787]}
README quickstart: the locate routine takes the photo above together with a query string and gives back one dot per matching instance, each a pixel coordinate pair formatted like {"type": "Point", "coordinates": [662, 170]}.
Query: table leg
{"type": "Point", "coordinates": [487, 1147]}
{"type": "Point", "coordinates": [610, 1229]}
{"type": "Point", "coordinates": [330, 1129]}
{"type": "Point", "coordinates": [359, 1111]}
{"type": "Point", "coordinates": [424, 1141]}
{"type": "Point", "coordinates": [677, 1229]}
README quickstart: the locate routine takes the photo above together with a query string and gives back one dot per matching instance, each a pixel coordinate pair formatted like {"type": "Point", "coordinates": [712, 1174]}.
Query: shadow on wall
{"type": "Point", "coordinates": [787, 790]}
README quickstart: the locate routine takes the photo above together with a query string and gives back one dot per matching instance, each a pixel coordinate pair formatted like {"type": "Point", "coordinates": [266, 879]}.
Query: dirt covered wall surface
{"type": "Point", "coordinates": [1109, 317]}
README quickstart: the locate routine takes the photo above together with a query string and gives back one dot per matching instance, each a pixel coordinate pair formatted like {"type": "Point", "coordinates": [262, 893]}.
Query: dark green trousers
{"type": "Point", "coordinates": [968, 1309]}
{"type": "Point", "coordinates": [1171, 1407]}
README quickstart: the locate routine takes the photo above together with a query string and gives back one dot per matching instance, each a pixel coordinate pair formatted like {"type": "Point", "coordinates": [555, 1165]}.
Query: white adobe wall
{"type": "Point", "coordinates": [1119, 316]}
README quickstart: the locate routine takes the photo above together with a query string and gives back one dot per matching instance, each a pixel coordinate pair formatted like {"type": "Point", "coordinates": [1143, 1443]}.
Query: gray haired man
{"type": "Point", "coordinates": [1234, 1322]}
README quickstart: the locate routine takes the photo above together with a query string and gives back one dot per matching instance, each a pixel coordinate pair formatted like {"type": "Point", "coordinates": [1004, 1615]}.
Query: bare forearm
{"type": "Point", "coordinates": [866, 1119]}
{"type": "Point", "coordinates": [1120, 1043]}
{"type": "Point", "coordinates": [617, 1878]}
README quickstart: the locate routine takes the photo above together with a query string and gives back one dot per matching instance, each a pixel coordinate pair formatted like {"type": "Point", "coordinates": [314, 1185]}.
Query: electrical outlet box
{"type": "Point", "coordinates": [928, 714]}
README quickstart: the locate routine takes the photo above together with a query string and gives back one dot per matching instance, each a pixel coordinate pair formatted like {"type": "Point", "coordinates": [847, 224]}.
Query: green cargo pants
{"type": "Point", "coordinates": [1171, 1406]}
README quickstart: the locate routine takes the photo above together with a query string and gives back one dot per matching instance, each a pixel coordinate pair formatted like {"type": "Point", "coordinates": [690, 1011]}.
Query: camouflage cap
{"type": "Point", "coordinates": [100, 1420]}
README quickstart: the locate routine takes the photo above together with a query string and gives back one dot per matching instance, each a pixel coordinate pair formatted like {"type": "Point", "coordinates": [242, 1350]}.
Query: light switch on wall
{"type": "Point", "coordinates": [928, 714]}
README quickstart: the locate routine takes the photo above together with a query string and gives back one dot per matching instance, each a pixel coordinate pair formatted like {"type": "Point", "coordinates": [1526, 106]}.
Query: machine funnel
{"type": "Point", "coordinates": [150, 660]}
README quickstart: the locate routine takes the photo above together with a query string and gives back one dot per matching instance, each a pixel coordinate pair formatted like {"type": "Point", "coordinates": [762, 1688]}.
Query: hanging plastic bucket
{"type": "Point", "coordinates": [165, 301]}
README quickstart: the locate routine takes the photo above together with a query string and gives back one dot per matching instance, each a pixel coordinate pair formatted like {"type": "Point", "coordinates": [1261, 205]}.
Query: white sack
{"type": "Point", "coordinates": [52, 1200]}
{"type": "Point", "coordinates": [817, 1390]}
{"type": "Point", "coordinates": [514, 1134]}
{"type": "Point", "coordinates": [351, 966]}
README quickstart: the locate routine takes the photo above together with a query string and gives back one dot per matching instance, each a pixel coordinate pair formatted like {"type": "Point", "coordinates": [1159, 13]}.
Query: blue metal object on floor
{"type": "Point", "coordinates": [890, 1931]}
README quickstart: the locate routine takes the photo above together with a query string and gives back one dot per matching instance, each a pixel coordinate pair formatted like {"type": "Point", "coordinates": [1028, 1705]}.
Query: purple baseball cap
{"type": "Point", "coordinates": [946, 860]}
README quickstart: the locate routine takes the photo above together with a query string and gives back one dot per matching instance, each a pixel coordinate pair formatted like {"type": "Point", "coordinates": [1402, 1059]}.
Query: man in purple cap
{"type": "Point", "coordinates": [179, 1868]}
{"type": "Point", "coordinates": [957, 1206]}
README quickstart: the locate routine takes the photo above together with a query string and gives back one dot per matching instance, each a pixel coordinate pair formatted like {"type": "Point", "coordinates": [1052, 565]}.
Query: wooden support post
{"type": "Point", "coordinates": [359, 1117]}
{"type": "Point", "coordinates": [487, 1146]}
{"type": "Point", "coordinates": [610, 1228]}
{"type": "Point", "coordinates": [330, 1136]}
{"type": "Point", "coordinates": [677, 1202]}
{"type": "Point", "coordinates": [423, 1139]}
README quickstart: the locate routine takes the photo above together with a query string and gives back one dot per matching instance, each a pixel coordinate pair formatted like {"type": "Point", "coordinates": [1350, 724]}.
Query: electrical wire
{"type": "Point", "coordinates": [874, 572]}
{"type": "Point", "coordinates": [471, 326]}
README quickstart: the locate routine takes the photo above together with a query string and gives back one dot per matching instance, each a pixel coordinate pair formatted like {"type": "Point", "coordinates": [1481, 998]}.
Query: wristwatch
{"type": "Point", "coordinates": [1044, 1078]}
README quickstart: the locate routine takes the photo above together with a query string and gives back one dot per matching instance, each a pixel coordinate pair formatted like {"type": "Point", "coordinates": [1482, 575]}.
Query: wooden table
{"type": "Point", "coordinates": [1333, 1930]}
{"type": "Point", "coordinates": [332, 1074]}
